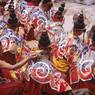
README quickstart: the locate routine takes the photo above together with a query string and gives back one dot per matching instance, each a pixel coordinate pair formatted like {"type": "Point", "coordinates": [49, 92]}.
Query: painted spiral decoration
{"type": "Point", "coordinates": [41, 71]}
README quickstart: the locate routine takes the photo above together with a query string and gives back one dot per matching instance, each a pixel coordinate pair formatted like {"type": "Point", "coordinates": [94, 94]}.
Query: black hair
{"type": "Point", "coordinates": [61, 9]}
{"type": "Point", "coordinates": [59, 13]}
{"type": "Point", "coordinates": [46, 1]}
{"type": "Point", "coordinates": [11, 5]}
{"type": "Point", "coordinates": [13, 22]}
{"type": "Point", "coordinates": [0, 43]}
{"type": "Point", "coordinates": [2, 3]}
{"type": "Point", "coordinates": [79, 24]}
{"type": "Point", "coordinates": [93, 38]}
{"type": "Point", "coordinates": [93, 29]}
{"type": "Point", "coordinates": [28, 0]}
{"type": "Point", "coordinates": [63, 4]}
{"type": "Point", "coordinates": [44, 40]}
{"type": "Point", "coordinates": [12, 18]}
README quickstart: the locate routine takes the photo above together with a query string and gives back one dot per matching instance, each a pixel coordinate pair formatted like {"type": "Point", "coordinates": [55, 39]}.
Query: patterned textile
{"type": "Point", "coordinates": [7, 40]}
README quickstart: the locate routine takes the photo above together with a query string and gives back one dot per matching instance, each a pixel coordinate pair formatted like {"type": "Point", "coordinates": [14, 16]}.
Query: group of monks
{"type": "Point", "coordinates": [37, 57]}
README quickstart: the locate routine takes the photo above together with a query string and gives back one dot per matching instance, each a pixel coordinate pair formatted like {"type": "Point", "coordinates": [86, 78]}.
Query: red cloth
{"type": "Point", "coordinates": [12, 88]}
{"type": "Point", "coordinates": [90, 85]}
{"type": "Point", "coordinates": [86, 84]}
{"type": "Point", "coordinates": [8, 57]}
{"type": "Point", "coordinates": [34, 88]}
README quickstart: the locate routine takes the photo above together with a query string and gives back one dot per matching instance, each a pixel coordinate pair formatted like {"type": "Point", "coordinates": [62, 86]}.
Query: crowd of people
{"type": "Point", "coordinates": [37, 57]}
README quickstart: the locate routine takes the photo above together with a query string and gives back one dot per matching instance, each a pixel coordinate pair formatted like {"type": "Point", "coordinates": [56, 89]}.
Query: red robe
{"type": "Point", "coordinates": [12, 87]}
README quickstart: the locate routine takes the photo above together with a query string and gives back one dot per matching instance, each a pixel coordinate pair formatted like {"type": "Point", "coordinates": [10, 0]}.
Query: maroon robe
{"type": "Point", "coordinates": [12, 87]}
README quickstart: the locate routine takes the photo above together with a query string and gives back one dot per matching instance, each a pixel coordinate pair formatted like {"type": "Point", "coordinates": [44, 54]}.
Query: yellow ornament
{"type": "Point", "coordinates": [60, 64]}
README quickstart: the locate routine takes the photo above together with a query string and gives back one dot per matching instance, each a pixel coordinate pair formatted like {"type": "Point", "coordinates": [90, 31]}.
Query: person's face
{"type": "Point", "coordinates": [21, 31]}
{"type": "Point", "coordinates": [1, 31]}
{"type": "Point", "coordinates": [13, 46]}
